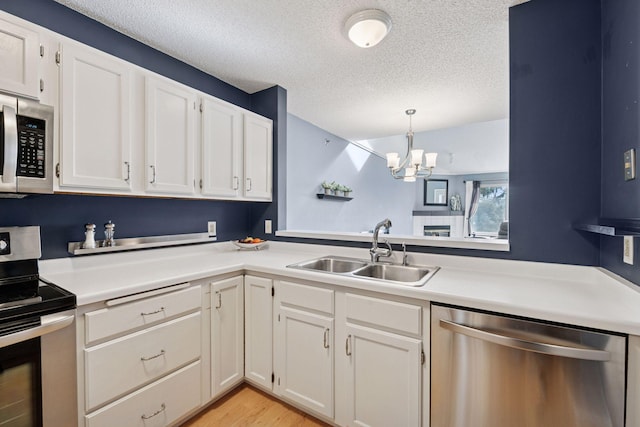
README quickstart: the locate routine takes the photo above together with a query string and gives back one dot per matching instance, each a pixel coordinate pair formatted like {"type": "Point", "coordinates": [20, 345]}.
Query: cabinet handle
{"type": "Point", "coordinates": [248, 184]}
{"type": "Point", "coordinates": [128, 171]}
{"type": "Point", "coordinates": [153, 169]}
{"type": "Point", "coordinates": [145, 359]}
{"type": "Point", "coordinates": [159, 411]}
{"type": "Point", "coordinates": [326, 338]}
{"type": "Point", "coordinates": [236, 183]}
{"type": "Point", "coordinates": [347, 346]}
{"type": "Point", "coordinates": [149, 313]}
{"type": "Point", "coordinates": [219, 303]}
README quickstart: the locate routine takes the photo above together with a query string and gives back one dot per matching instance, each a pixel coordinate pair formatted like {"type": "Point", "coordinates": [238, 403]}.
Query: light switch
{"type": "Point", "coordinates": [211, 228]}
{"type": "Point", "coordinates": [267, 226]}
{"type": "Point", "coordinates": [630, 164]}
{"type": "Point", "coordinates": [627, 255]}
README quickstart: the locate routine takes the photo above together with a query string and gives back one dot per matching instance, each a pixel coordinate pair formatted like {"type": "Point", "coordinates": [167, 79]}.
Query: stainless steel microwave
{"type": "Point", "coordinates": [26, 146]}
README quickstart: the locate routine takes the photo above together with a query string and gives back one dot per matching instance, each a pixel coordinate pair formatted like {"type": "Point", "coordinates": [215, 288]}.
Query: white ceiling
{"type": "Point", "coordinates": [446, 58]}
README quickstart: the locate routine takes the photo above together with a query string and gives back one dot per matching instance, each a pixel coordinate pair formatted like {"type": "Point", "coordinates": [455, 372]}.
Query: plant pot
{"type": "Point", "coordinates": [346, 193]}
{"type": "Point", "coordinates": [327, 191]}
{"type": "Point", "coordinates": [338, 193]}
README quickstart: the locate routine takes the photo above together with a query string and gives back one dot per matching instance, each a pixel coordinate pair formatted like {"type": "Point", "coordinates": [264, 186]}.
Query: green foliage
{"type": "Point", "coordinates": [491, 211]}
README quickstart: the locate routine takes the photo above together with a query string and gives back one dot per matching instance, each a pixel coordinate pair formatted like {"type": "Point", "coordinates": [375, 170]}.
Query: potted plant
{"type": "Point", "coordinates": [327, 187]}
{"type": "Point", "coordinates": [334, 187]}
{"type": "Point", "coordinates": [346, 190]}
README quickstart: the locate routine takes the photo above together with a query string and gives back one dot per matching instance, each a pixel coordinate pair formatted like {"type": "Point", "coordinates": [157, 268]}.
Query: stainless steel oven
{"type": "Point", "coordinates": [491, 370]}
{"type": "Point", "coordinates": [26, 146]}
{"type": "Point", "coordinates": [33, 314]}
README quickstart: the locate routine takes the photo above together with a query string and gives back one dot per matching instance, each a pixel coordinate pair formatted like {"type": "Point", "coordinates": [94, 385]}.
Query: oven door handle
{"type": "Point", "coordinates": [10, 144]}
{"type": "Point", "coordinates": [526, 345]}
{"type": "Point", "coordinates": [50, 323]}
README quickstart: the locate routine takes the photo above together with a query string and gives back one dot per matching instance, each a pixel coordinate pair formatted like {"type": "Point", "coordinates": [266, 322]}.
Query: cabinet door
{"type": "Point", "coordinates": [221, 148]}
{"type": "Point", "coordinates": [304, 359]}
{"type": "Point", "coordinates": [258, 362]}
{"type": "Point", "coordinates": [95, 143]}
{"type": "Point", "coordinates": [20, 57]}
{"type": "Point", "coordinates": [384, 378]}
{"type": "Point", "coordinates": [227, 334]}
{"type": "Point", "coordinates": [170, 126]}
{"type": "Point", "coordinates": [258, 157]}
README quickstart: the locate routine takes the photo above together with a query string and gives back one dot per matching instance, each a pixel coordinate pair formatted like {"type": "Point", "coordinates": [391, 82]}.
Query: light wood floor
{"type": "Point", "coordinates": [247, 406]}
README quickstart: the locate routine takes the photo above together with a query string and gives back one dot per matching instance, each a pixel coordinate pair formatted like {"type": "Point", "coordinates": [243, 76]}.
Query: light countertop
{"type": "Point", "coordinates": [576, 295]}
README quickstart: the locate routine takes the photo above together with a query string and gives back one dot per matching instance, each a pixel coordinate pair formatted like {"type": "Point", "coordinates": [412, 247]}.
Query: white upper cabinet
{"type": "Point", "coordinates": [237, 148]}
{"type": "Point", "coordinates": [20, 58]}
{"type": "Point", "coordinates": [221, 148]}
{"type": "Point", "coordinates": [170, 137]}
{"type": "Point", "coordinates": [95, 146]}
{"type": "Point", "coordinates": [258, 157]}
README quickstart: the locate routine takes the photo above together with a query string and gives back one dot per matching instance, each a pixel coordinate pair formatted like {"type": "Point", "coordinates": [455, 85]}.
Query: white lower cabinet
{"type": "Point", "coordinates": [381, 362]}
{"type": "Point", "coordinates": [258, 340]}
{"type": "Point", "coordinates": [227, 334]}
{"type": "Point", "coordinates": [159, 404]}
{"type": "Point", "coordinates": [141, 358]}
{"type": "Point", "coordinates": [303, 346]}
{"type": "Point", "coordinates": [383, 382]}
{"type": "Point", "coordinates": [349, 358]}
{"type": "Point", "coordinates": [633, 373]}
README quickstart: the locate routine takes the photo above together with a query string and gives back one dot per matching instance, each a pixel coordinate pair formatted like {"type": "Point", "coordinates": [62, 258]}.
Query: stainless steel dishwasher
{"type": "Point", "coordinates": [491, 370]}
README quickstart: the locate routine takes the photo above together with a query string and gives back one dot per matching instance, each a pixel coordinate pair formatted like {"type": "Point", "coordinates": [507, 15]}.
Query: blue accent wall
{"type": "Point", "coordinates": [62, 217]}
{"type": "Point", "coordinates": [554, 175]}
{"type": "Point", "coordinates": [620, 125]}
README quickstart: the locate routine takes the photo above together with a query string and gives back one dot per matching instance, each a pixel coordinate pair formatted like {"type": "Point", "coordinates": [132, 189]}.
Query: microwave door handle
{"type": "Point", "coordinates": [10, 145]}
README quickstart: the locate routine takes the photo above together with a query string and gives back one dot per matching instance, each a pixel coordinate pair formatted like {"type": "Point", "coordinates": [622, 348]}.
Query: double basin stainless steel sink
{"type": "Point", "coordinates": [408, 275]}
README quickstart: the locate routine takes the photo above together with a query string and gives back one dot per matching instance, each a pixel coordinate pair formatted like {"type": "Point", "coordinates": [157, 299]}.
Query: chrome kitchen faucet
{"type": "Point", "coordinates": [375, 251]}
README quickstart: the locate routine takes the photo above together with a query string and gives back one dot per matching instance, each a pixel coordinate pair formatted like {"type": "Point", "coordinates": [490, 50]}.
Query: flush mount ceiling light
{"type": "Point", "coordinates": [367, 28]}
{"type": "Point", "coordinates": [411, 166]}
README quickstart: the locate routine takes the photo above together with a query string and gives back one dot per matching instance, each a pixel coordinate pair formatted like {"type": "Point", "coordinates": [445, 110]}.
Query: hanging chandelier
{"type": "Point", "coordinates": [411, 166]}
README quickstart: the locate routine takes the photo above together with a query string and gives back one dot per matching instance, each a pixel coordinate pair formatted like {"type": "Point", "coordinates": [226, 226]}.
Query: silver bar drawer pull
{"type": "Point", "coordinates": [347, 348]}
{"type": "Point", "coordinates": [160, 310]}
{"type": "Point", "coordinates": [326, 338]}
{"type": "Point", "coordinates": [145, 359]}
{"type": "Point", "coordinates": [159, 411]}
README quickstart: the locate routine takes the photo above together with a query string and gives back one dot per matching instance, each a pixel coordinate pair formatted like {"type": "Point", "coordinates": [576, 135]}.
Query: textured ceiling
{"type": "Point", "coordinates": [446, 58]}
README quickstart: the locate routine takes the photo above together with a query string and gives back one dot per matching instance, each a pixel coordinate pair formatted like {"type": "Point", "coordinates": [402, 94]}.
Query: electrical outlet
{"type": "Point", "coordinates": [267, 226]}
{"type": "Point", "coordinates": [211, 228]}
{"type": "Point", "coordinates": [630, 164]}
{"type": "Point", "coordinates": [627, 254]}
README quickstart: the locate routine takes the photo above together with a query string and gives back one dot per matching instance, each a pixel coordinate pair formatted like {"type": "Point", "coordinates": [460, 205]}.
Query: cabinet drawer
{"type": "Point", "coordinates": [305, 296]}
{"type": "Point", "coordinates": [119, 319]}
{"type": "Point", "coordinates": [162, 402]}
{"type": "Point", "coordinates": [117, 367]}
{"type": "Point", "coordinates": [405, 318]}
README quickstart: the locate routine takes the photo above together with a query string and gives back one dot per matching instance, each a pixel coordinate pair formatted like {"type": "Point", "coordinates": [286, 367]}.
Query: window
{"type": "Point", "coordinates": [492, 209]}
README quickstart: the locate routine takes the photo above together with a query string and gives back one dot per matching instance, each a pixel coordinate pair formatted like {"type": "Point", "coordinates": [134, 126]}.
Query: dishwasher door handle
{"type": "Point", "coordinates": [526, 345]}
